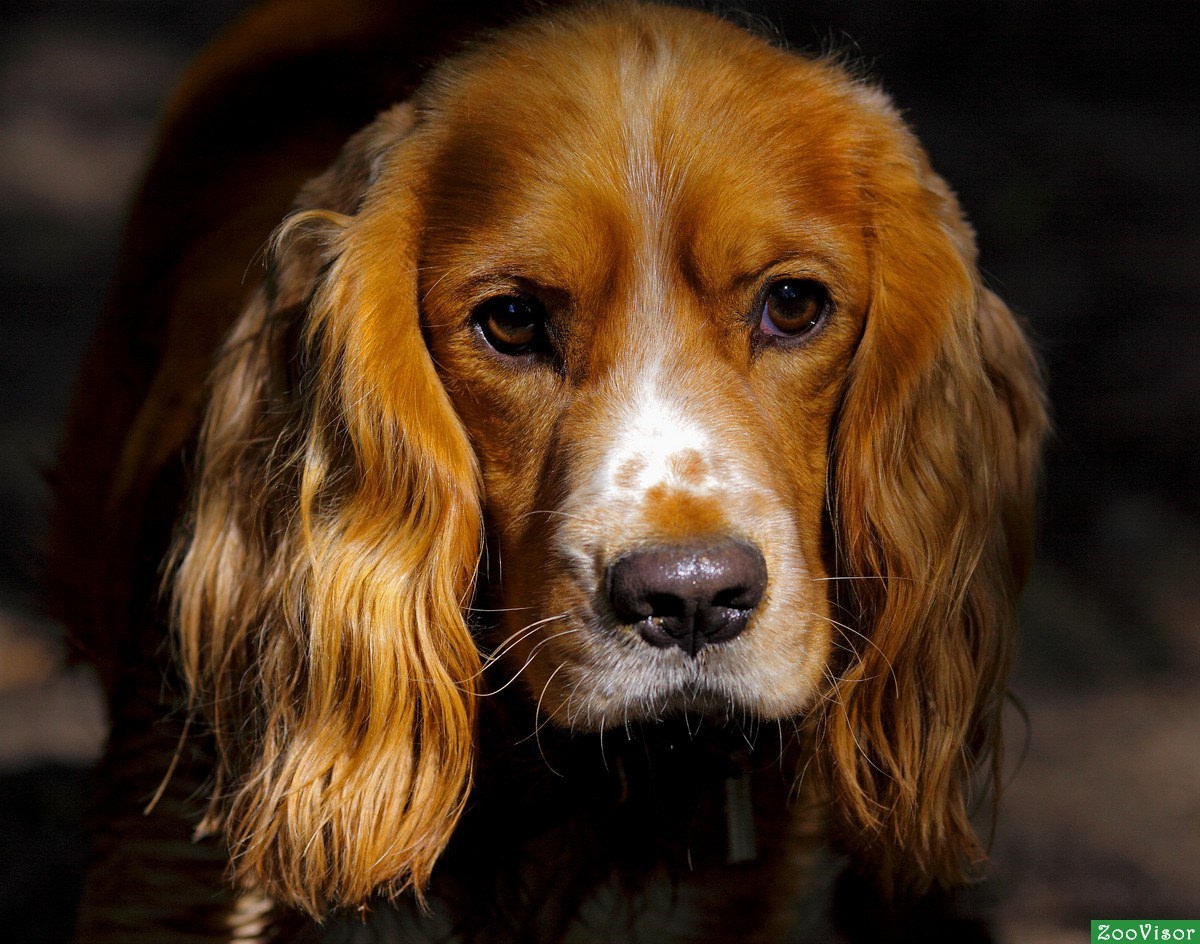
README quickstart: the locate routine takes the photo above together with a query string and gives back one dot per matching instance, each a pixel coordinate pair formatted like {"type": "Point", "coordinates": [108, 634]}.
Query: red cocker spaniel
{"type": "Point", "coordinates": [605, 518]}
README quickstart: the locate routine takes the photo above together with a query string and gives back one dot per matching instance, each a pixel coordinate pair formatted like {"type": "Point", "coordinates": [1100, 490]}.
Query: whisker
{"type": "Point", "coordinates": [532, 655]}
{"type": "Point", "coordinates": [552, 511]}
{"type": "Point", "coordinates": [868, 641]}
{"type": "Point", "coordinates": [853, 736]}
{"type": "Point", "coordinates": [519, 636]}
{"type": "Point", "coordinates": [571, 715]}
{"type": "Point", "coordinates": [501, 609]}
{"type": "Point", "coordinates": [924, 584]}
{"type": "Point", "coordinates": [537, 728]}
{"type": "Point", "coordinates": [798, 786]}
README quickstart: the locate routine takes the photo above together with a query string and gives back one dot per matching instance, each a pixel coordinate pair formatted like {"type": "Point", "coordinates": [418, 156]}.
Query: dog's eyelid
{"type": "Point", "coordinates": [796, 265]}
{"type": "Point", "coordinates": [484, 284]}
{"type": "Point", "coordinates": [478, 291]}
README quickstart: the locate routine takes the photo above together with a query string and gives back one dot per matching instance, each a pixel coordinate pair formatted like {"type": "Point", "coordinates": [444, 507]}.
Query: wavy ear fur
{"type": "Point", "coordinates": [335, 531]}
{"type": "Point", "coordinates": [932, 486]}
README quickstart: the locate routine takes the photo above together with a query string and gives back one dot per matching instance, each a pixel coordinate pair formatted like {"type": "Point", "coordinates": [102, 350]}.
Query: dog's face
{"type": "Point", "coordinates": [642, 285]}
{"type": "Point", "coordinates": [677, 341]}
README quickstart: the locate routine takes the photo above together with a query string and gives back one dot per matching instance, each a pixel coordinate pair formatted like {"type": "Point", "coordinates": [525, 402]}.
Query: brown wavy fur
{"type": "Point", "coordinates": [319, 599]}
{"type": "Point", "coordinates": [932, 490]}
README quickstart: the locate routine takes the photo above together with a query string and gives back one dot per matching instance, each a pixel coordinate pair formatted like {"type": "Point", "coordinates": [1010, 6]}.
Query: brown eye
{"type": "Point", "coordinates": [794, 307]}
{"type": "Point", "coordinates": [512, 324]}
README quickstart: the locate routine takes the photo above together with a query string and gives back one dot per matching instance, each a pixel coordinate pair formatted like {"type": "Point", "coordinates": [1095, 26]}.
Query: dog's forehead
{"type": "Point", "coordinates": [664, 120]}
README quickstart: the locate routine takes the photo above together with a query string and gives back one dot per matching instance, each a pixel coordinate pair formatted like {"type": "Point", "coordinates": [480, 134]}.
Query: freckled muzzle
{"type": "Point", "coordinates": [687, 597]}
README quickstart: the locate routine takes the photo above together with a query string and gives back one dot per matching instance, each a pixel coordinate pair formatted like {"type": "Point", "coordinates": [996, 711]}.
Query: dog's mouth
{"type": "Point", "coordinates": [606, 620]}
{"type": "Point", "coordinates": [591, 672]}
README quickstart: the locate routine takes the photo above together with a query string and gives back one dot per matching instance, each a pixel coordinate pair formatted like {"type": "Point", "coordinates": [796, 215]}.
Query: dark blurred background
{"type": "Point", "coordinates": [1072, 133]}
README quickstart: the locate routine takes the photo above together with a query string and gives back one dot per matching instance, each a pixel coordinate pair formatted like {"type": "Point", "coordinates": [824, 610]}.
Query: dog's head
{"type": "Point", "coordinates": [673, 337]}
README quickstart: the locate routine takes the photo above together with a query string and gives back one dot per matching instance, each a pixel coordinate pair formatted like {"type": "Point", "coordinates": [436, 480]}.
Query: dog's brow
{"type": "Point", "coordinates": [791, 263]}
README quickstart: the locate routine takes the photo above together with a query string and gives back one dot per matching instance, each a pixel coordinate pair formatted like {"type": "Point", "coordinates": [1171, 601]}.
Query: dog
{"type": "Point", "coordinates": [603, 519]}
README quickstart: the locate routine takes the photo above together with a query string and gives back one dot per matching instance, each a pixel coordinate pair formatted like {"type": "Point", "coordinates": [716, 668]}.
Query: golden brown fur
{"type": "Point", "coordinates": [645, 172]}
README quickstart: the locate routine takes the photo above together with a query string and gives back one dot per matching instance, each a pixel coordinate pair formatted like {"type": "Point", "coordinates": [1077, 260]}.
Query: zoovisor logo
{"type": "Point", "coordinates": [1144, 930]}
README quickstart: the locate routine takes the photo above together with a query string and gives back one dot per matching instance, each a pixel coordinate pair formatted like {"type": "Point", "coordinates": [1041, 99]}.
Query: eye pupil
{"type": "Point", "coordinates": [511, 324]}
{"type": "Point", "coordinates": [794, 307]}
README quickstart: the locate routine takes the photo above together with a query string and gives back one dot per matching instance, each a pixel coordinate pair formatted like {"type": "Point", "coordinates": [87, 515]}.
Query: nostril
{"type": "Point", "coordinates": [667, 605]}
{"type": "Point", "coordinates": [688, 597]}
{"type": "Point", "coordinates": [742, 598]}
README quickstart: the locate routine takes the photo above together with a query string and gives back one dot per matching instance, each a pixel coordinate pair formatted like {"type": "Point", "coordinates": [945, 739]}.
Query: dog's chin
{"type": "Point", "coordinates": [722, 684]}
{"type": "Point", "coordinates": [690, 708]}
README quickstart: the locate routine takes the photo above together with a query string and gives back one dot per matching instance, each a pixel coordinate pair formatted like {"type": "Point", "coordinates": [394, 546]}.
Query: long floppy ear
{"type": "Point", "coordinates": [932, 489]}
{"type": "Point", "coordinates": [332, 546]}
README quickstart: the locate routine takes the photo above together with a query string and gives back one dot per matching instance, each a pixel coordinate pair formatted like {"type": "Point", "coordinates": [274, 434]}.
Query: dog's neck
{"type": "Point", "coordinates": [561, 822]}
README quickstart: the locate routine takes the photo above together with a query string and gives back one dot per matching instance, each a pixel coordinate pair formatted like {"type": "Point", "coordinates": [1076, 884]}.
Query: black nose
{"type": "Point", "coordinates": [677, 596]}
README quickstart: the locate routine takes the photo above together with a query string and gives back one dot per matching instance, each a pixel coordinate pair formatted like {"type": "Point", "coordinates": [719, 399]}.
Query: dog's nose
{"type": "Point", "coordinates": [678, 596]}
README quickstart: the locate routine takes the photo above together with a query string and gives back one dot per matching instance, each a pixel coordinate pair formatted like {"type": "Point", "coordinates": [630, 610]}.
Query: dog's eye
{"type": "Point", "coordinates": [794, 307]}
{"type": "Point", "coordinates": [512, 324]}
